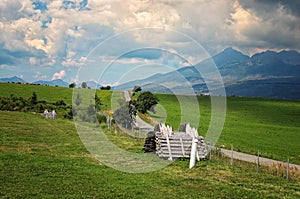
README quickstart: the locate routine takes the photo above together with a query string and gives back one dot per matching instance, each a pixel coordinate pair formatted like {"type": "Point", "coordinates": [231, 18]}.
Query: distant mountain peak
{"type": "Point", "coordinates": [230, 49]}
{"type": "Point", "coordinates": [12, 79]}
{"type": "Point", "coordinates": [229, 55]}
{"type": "Point", "coordinates": [291, 57]}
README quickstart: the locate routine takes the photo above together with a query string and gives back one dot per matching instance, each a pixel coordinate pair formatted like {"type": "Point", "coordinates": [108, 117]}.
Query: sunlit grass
{"type": "Point", "coordinates": [47, 159]}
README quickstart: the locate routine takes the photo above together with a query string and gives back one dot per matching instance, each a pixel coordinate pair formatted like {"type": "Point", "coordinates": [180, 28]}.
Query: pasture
{"type": "Point", "coordinates": [268, 125]}
{"type": "Point", "coordinates": [46, 159]}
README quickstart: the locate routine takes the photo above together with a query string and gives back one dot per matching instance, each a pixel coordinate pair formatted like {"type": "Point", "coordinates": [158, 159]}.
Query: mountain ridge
{"type": "Point", "coordinates": [235, 67]}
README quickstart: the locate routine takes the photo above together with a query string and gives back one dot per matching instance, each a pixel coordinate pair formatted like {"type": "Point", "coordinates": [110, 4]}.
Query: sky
{"type": "Point", "coordinates": [114, 41]}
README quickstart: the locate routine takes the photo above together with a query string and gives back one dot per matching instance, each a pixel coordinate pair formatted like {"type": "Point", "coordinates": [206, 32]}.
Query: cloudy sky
{"type": "Point", "coordinates": [112, 41]}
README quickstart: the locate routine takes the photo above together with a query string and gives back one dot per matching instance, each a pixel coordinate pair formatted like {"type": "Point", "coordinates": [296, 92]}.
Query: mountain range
{"type": "Point", "coordinates": [267, 74]}
{"type": "Point", "coordinates": [56, 82]}
{"type": "Point", "coordinates": [12, 79]}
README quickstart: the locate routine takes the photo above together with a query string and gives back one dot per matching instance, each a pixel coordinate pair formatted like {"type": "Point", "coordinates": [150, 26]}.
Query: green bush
{"type": "Point", "coordinates": [101, 118]}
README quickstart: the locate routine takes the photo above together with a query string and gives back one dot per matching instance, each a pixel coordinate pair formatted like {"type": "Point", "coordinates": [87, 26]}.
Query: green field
{"type": "Point", "coordinates": [46, 159]}
{"type": "Point", "coordinates": [269, 126]}
{"type": "Point", "coordinates": [50, 93]}
{"type": "Point", "coordinates": [252, 124]}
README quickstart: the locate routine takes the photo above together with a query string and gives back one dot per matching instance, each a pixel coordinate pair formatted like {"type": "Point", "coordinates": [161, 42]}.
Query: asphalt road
{"type": "Point", "coordinates": [141, 124]}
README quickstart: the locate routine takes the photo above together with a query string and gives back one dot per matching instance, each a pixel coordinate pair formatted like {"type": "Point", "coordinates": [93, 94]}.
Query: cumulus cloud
{"type": "Point", "coordinates": [59, 75]}
{"type": "Point", "coordinates": [63, 34]}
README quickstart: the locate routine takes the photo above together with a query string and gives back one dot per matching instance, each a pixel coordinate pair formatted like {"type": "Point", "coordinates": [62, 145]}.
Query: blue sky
{"type": "Point", "coordinates": [117, 41]}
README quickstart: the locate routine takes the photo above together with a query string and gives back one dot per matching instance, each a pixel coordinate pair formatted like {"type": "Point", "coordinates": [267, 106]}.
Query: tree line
{"type": "Point", "coordinates": [33, 104]}
{"type": "Point", "coordinates": [84, 85]}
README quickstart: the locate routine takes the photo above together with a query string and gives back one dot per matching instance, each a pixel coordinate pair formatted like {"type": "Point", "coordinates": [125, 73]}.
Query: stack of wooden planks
{"type": "Point", "coordinates": [178, 145]}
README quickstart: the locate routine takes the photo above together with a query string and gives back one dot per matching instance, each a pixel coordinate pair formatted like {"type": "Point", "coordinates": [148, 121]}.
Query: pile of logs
{"type": "Point", "coordinates": [168, 144]}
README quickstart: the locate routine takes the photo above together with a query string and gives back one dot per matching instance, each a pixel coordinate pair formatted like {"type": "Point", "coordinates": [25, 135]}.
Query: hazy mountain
{"type": "Point", "coordinates": [265, 74]}
{"type": "Point", "coordinates": [282, 88]}
{"type": "Point", "coordinates": [12, 79]}
{"type": "Point", "coordinates": [227, 57]}
{"type": "Point", "coordinates": [56, 82]}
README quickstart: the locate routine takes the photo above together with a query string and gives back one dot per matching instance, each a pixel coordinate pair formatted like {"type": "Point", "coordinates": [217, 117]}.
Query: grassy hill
{"type": "Point", "coordinates": [49, 93]}
{"type": "Point", "coordinates": [46, 159]}
{"type": "Point", "coordinates": [252, 124]}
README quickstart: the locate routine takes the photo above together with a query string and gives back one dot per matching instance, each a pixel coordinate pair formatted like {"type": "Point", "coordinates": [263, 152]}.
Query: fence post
{"type": "Point", "coordinates": [287, 169]}
{"type": "Point", "coordinates": [231, 161]}
{"type": "Point", "coordinates": [193, 153]}
{"type": "Point", "coordinates": [257, 163]}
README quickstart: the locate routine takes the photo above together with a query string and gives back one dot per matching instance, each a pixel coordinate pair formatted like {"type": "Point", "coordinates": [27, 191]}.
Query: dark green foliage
{"type": "Point", "coordinates": [101, 118]}
{"type": "Point", "coordinates": [70, 113]}
{"type": "Point", "coordinates": [146, 102]}
{"type": "Point", "coordinates": [84, 85]}
{"type": "Point", "coordinates": [72, 85]}
{"type": "Point", "coordinates": [125, 115]}
{"type": "Point", "coordinates": [78, 100]}
{"type": "Point", "coordinates": [97, 103]}
{"type": "Point", "coordinates": [91, 109]}
{"type": "Point", "coordinates": [137, 89]}
{"type": "Point", "coordinates": [105, 87]}
{"type": "Point", "coordinates": [14, 103]}
{"type": "Point", "coordinates": [60, 103]}
{"type": "Point", "coordinates": [33, 99]}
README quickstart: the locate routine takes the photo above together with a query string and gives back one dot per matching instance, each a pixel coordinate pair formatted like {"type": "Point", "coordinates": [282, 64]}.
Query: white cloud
{"type": "Point", "coordinates": [39, 76]}
{"type": "Point", "coordinates": [59, 75]}
{"type": "Point", "coordinates": [64, 37]}
{"type": "Point", "coordinates": [4, 66]}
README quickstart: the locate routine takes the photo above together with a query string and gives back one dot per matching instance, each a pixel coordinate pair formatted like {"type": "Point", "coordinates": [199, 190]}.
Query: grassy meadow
{"type": "Point", "coordinates": [46, 159]}
{"type": "Point", "coordinates": [50, 93]}
{"type": "Point", "coordinates": [269, 126]}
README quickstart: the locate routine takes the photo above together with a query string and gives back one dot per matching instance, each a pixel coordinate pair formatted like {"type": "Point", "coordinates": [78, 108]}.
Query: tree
{"type": "Point", "coordinates": [105, 87]}
{"type": "Point", "coordinates": [97, 103]}
{"type": "Point", "coordinates": [33, 98]}
{"type": "Point", "coordinates": [137, 89]}
{"type": "Point", "coordinates": [125, 115]}
{"type": "Point", "coordinates": [145, 102]}
{"type": "Point", "coordinates": [78, 100]}
{"type": "Point", "coordinates": [72, 85]}
{"type": "Point", "coordinates": [84, 85]}
{"type": "Point", "coordinates": [91, 110]}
